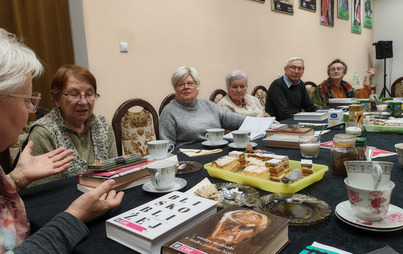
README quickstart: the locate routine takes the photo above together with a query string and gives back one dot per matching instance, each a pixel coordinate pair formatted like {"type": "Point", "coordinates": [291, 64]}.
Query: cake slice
{"type": "Point", "coordinates": [226, 163]}
{"type": "Point", "coordinates": [256, 171]}
{"type": "Point", "coordinates": [306, 167]}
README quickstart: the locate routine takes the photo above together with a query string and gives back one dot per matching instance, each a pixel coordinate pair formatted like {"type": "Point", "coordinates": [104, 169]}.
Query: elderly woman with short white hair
{"type": "Point", "coordinates": [186, 119]}
{"type": "Point", "coordinates": [237, 100]}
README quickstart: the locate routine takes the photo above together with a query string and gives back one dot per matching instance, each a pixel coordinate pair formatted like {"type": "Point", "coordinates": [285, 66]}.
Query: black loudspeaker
{"type": "Point", "coordinates": [384, 49]}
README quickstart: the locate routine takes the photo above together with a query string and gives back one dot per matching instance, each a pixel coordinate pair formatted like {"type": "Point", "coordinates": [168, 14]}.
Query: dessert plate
{"type": "Point", "coordinates": [207, 143]}
{"type": "Point", "coordinates": [191, 166]}
{"type": "Point", "coordinates": [232, 145]}
{"type": "Point", "coordinates": [392, 221]}
{"type": "Point", "coordinates": [179, 183]}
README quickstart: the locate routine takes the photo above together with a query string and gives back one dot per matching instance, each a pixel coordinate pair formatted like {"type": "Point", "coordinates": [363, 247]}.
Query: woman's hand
{"type": "Point", "coordinates": [30, 168]}
{"type": "Point", "coordinates": [371, 72]}
{"type": "Point", "coordinates": [95, 202]}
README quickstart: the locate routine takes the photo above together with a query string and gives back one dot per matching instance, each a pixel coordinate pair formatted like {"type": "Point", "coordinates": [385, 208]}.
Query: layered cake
{"type": "Point", "coordinates": [227, 163]}
{"type": "Point", "coordinates": [306, 167]}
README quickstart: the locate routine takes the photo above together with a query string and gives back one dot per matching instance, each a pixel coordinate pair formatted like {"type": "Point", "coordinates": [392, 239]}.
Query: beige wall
{"type": "Point", "coordinates": [215, 37]}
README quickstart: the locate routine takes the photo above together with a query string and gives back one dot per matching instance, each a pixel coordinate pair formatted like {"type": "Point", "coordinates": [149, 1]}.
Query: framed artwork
{"type": "Point", "coordinates": [285, 6]}
{"type": "Point", "coordinates": [343, 11]}
{"type": "Point", "coordinates": [368, 14]}
{"type": "Point", "coordinates": [309, 5]}
{"type": "Point", "coordinates": [262, 1]}
{"type": "Point", "coordinates": [327, 12]}
{"type": "Point", "coordinates": [356, 17]}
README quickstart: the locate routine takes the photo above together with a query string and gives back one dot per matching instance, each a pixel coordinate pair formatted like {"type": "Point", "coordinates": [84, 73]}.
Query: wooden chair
{"type": "Point", "coordinates": [135, 123]}
{"type": "Point", "coordinates": [397, 88]}
{"type": "Point", "coordinates": [310, 88]}
{"type": "Point", "coordinates": [217, 95]}
{"type": "Point", "coordinates": [261, 93]}
{"type": "Point", "coordinates": [166, 101]}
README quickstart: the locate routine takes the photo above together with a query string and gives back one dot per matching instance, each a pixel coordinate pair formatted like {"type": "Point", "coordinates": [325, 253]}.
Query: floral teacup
{"type": "Point", "coordinates": [370, 204]}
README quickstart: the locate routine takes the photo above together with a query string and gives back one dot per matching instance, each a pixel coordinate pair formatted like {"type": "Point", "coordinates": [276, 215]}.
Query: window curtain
{"type": "Point", "coordinates": [44, 26]}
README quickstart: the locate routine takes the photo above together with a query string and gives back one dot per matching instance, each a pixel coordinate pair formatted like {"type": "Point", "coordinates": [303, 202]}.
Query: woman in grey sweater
{"type": "Point", "coordinates": [186, 119]}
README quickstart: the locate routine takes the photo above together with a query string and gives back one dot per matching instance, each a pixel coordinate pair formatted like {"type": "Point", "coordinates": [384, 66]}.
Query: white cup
{"type": "Point", "coordinates": [370, 204]}
{"type": "Point", "coordinates": [159, 149]}
{"type": "Point", "coordinates": [399, 152]}
{"type": "Point", "coordinates": [162, 174]}
{"type": "Point", "coordinates": [368, 174]}
{"type": "Point", "coordinates": [309, 146]}
{"type": "Point", "coordinates": [215, 136]}
{"type": "Point", "coordinates": [241, 137]}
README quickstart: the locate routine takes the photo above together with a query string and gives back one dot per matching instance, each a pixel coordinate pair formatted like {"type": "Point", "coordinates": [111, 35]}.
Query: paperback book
{"type": "Point", "coordinates": [290, 129]}
{"type": "Point", "coordinates": [310, 116]}
{"type": "Point", "coordinates": [282, 140]}
{"type": "Point", "coordinates": [147, 227]}
{"type": "Point", "coordinates": [117, 162]}
{"type": "Point", "coordinates": [233, 230]}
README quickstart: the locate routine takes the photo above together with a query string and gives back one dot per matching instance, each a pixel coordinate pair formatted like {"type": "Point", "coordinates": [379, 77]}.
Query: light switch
{"type": "Point", "coordinates": [124, 47]}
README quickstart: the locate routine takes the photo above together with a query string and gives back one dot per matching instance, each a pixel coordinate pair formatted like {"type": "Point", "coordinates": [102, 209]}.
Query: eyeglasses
{"type": "Point", "coordinates": [294, 68]}
{"type": "Point", "coordinates": [32, 102]}
{"type": "Point", "coordinates": [336, 69]}
{"type": "Point", "coordinates": [77, 97]}
{"type": "Point", "coordinates": [188, 84]}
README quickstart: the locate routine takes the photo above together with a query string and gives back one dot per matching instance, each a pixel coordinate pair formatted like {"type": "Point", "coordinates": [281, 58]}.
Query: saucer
{"type": "Point", "coordinates": [207, 143]}
{"type": "Point", "coordinates": [232, 145]}
{"type": "Point", "coordinates": [392, 221]}
{"type": "Point", "coordinates": [149, 157]}
{"type": "Point", "coordinates": [179, 183]}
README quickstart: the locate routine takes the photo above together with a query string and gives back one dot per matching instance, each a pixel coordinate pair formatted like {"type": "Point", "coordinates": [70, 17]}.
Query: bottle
{"type": "Point", "coordinates": [356, 79]}
{"type": "Point", "coordinates": [361, 146]}
{"type": "Point", "coordinates": [355, 119]}
{"type": "Point", "coordinates": [343, 150]}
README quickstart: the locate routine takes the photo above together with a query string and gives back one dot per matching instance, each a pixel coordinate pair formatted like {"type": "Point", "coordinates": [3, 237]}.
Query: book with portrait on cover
{"type": "Point", "coordinates": [290, 129]}
{"type": "Point", "coordinates": [233, 230]}
{"type": "Point", "coordinates": [147, 227]}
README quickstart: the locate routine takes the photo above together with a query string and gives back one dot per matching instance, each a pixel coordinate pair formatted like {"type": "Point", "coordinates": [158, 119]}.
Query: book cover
{"type": "Point", "coordinates": [121, 176]}
{"type": "Point", "coordinates": [282, 140]}
{"type": "Point", "coordinates": [310, 116]}
{"type": "Point", "coordinates": [147, 227]}
{"type": "Point", "coordinates": [116, 162]}
{"type": "Point", "coordinates": [290, 130]}
{"type": "Point", "coordinates": [125, 186]}
{"type": "Point", "coordinates": [233, 230]}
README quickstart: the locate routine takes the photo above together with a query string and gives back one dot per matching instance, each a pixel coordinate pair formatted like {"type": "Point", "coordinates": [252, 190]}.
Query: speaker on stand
{"type": "Point", "coordinates": [384, 50]}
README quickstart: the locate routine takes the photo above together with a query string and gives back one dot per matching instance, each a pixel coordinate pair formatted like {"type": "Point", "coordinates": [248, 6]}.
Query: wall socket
{"type": "Point", "coordinates": [124, 47]}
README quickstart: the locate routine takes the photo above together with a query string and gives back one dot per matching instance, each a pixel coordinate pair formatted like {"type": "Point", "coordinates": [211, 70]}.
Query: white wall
{"type": "Point", "coordinates": [388, 26]}
{"type": "Point", "coordinates": [215, 37]}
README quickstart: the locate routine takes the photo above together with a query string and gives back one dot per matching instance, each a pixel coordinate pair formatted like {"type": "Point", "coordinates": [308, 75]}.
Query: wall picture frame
{"type": "Point", "coordinates": [327, 12]}
{"type": "Point", "coordinates": [368, 13]}
{"type": "Point", "coordinates": [356, 16]}
{"type": "Point", "coordinates": [284, 6]}
{"type": "Point", "coordinates": [309, 5]}
{"type": "Point", "coordinates": [343, 9]}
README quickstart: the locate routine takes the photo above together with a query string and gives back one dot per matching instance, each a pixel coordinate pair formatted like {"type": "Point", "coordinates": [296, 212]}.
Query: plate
{"type": "Point", "coordinates": [191, 166]}
{"type": "Point", "coordinates": [179, 183]}
{"type": "Point", "coordinates": [232, 145]}
{"type": "Point", "coordinates": [384, 129]}
{"type": "Point", "coordinates": [149, 157]}
{"type": "Point", "coordinates": [267, 185]}
{"type": "Point", "coordinates": [392, 221]}
{"type": "Point", "coordinates": [207, 143]}
{"type": "Point", "coordinates": [244, 195]}
{"type": "Point", "coordinates": [302, 210]}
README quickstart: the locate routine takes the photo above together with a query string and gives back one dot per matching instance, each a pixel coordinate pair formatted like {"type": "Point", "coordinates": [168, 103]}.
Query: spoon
{"type": "Point", "coordinates": [369, 154]}
{"type": "Point", "coordinates": [182, 166]}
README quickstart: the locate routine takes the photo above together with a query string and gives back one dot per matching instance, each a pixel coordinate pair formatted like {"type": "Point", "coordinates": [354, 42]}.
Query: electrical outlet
{"type": "Point", "coordinates": [124, 47]}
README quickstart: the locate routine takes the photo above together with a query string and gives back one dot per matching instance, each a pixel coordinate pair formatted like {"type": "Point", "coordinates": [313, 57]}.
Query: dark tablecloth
{"type": "Point", "coordinates": [44, 202]}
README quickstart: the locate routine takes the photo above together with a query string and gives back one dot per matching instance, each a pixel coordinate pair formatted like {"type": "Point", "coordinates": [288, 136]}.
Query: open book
{"type": "Point", "coordinates": [257, 126]}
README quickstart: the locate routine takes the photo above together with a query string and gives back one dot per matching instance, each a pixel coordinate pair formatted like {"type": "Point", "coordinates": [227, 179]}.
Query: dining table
{"type": "Point", "coordinates": [43, 202]}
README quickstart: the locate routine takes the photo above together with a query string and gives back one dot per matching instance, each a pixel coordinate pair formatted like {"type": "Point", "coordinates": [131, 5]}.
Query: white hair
{"type": "Point", "coordinates": [182, 72]}
{"type": "Point", "coordinates": [237, 74]}
{"type": "Point", "coordinates": [16, 62]}
{"type": "Point", "coordinates": [293, 59]}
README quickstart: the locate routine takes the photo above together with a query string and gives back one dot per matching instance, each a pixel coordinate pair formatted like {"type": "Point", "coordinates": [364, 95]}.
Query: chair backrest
{"type": "Point", "coordinates": [135, 123]}
{"type": "Point", "coordinates": [261, 93]}
{"type": "Point", "coordinates": [166, 101]}
{"type": "Point", "coordinates": [397, 88]}
{"type": "Point", "coordinates": [310, 88]}
{"type": "Point", "coordinates": [5, 160]}
{"type": "Point", "coordinates": [217, 95]}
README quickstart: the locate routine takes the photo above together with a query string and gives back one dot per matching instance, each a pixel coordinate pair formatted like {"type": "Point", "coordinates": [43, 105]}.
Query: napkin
{"type": "Point", "coordinates": [197, 152]}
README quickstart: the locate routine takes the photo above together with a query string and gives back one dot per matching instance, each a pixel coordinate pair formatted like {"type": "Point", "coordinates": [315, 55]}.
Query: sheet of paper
{"type": "Point", "coordinates": [330, 248]}
{"type": "Point", "coordinates": [257, 126]}
{"type": "Point", "coordinates": [204, 182]}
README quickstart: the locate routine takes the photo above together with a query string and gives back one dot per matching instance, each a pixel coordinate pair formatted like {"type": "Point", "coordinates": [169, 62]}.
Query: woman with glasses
{"type": "Point", "coordinates": [336, 87]}
{"type": "Point", "coordinates": [18, 65]}
{"type": "Point", "coordinates": [72, 124]}
{"type": "Point", "coordinates": [186, 119]}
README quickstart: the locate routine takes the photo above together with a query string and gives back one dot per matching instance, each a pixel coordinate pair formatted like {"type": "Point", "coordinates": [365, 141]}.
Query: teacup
{"type": "Point", "coordinates": [241, 137]}
{"type": "Point", "coordinates": [399, 152]}
{"type": "Point", "coordinates": [368, 174]}
{"type": "Point", "coordinates": [215, 136]}
{"type": "Point", "coordinates": [370, 204]}
{"type": "Point", "coordinates": [159, 149]}
{"type": "Point", "coordinates": [162, 174]}
{"type": "Point", "coordinates": [309, 146]}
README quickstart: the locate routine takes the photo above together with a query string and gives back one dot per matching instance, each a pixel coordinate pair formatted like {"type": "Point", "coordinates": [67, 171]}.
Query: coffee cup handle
{"type": "Point", "coordinates": [157, 178]}
{"type": "Point", "coordinates": [171, 147]}
{"type": "Point", "coordinates": [377, 174]}
{"type": "Point", "coordinates": [207, 135]}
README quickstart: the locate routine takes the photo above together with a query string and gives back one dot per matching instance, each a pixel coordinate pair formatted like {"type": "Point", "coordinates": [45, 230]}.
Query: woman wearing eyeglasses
{"type": "Point", "coordinates": [336, 87]}
{"type": "Point", "coordinates": [72, 124]}
{"type": "Point", "coordinates": [186, 119]}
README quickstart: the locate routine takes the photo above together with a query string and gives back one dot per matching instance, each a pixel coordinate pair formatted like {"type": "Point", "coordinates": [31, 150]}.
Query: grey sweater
{"type": "Point", "coordinates": [184, 124]}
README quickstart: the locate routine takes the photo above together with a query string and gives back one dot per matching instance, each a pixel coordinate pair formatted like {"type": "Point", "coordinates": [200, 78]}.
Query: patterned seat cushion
{"type": "Point", "coordinates": [261, 95]}
{"type": "Point", "coordinates": [399, 90]}
{"type": "Point", "coordinates": [137, 130]}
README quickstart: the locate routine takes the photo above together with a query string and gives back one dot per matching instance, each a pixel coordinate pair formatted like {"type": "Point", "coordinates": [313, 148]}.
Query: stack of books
{"type": "Point", "coordinates": [310, 116]}
{"type": "Point", "coordinates": [286, 136]}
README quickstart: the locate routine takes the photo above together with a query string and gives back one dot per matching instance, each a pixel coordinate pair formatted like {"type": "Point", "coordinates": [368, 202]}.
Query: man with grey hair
{"type": "Point", "coordinates": [287, 95]}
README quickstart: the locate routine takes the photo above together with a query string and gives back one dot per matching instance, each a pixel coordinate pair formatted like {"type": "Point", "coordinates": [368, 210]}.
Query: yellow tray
{"type": "Point", "coordinates": [275, 187]}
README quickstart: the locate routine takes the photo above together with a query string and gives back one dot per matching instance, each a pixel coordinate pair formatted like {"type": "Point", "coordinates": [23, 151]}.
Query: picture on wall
{"type": "Point", "coordinates": [285, 6]}
{"type": "Point", "coordinates": [327, 11]}
{"type": "Point", "coordinates": [309, 5]}
{"type": "Point", "coordinates": [368, 14]}
{"type": "Point", "coordinates": [343, 11]}
{"type": "Point", "coordinates": [356, 17]}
